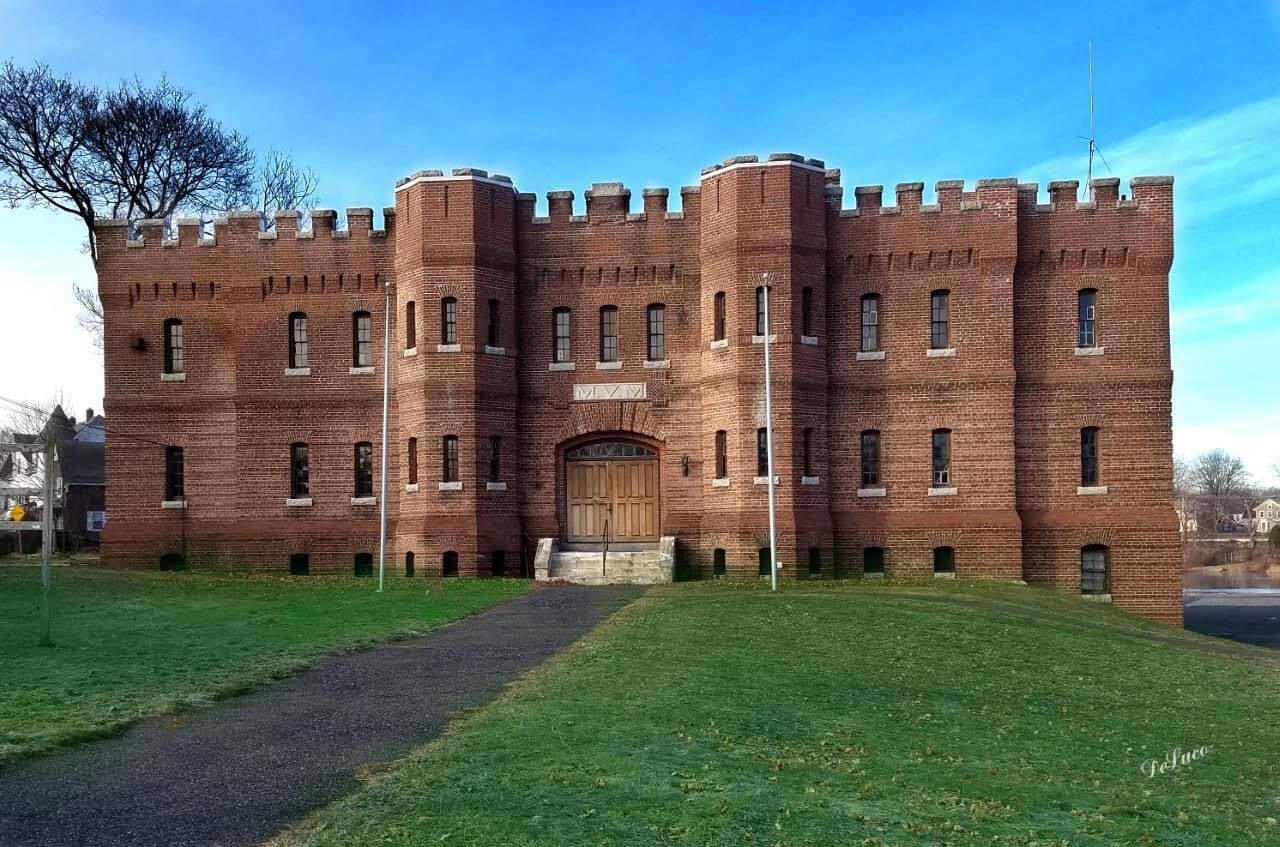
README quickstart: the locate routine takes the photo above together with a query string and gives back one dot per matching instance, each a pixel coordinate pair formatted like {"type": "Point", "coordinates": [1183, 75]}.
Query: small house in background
{"type": "Point", "coordinates": [1266, 515]}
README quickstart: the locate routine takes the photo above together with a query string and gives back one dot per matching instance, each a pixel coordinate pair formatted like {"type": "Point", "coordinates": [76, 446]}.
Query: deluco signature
{"type": "Point", "coordinates": [1176, 759]}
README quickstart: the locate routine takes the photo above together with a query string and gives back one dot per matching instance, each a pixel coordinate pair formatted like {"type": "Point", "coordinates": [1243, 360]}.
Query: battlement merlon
{"type": "Point", "coordinates": [1152, 193]}
{"type": "Point", "coordinates": [241, 227]}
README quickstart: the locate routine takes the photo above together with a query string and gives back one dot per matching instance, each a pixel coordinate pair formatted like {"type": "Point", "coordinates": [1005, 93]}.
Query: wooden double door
{"type": "Point", "coordinates": [612, 486]}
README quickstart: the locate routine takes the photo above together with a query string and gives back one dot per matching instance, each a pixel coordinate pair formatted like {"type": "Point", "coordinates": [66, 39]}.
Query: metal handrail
{"type": "Point", "coordinates": [604, 555]}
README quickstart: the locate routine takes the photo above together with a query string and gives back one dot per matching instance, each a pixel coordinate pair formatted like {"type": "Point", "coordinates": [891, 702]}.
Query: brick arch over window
{"type": "Point", "coordinates": [604, 417]}
{"type": "Point", "coordinates": [1095, 538]}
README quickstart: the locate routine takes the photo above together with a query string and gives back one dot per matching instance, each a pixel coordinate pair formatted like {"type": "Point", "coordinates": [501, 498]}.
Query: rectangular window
{"type": "Point", "coordinates": [449, 457]}
{"type": "Point", "coordinates": [762, 293]}
{"type": "Point", "coordinates": [609, 334]}
{"type": "Point", "coordinates": [941, 458]}
{"type": "Point", "coordinates": [494, 338]}
{"type": "Point", "coordinates": [298, 340]}
{"type": "Point", "coordinates": [870, 323]}
{"type": "Point", "coordinates": [561, 332]}
{"type": "Point", "coordinates": [495, 458]}
{"type": "Point", "coordinates": [173, 363]}
{"type": "Point", "coordinates": [938, 330]}
{"type": "Point", "coordinates": [762, 452]}
{"type": "Point", "coordinates": [1089, 456]}
{"type": "Point", "coordinates": [410, 325]}
{"type": "Point", "coordinates": [413, 461]}
{"type": "Point", "coordinates": [1093, 570]}
{"type": "Point", "coordinates": [1088, 336]}
{"type": "Point", "coordinates": [807, 463]}
{"type": "Point", "coordinates": [870, 459]}
{"type": "Point", "coordinates": [94, 521]}
{"type": "Point", "coordinates": [717, 329]}
{"type": "Point", "coordinates": [175, 485]}
{"type": "Point", "coordinates": [722, 454]}
{"type": "Point", "coordinates": [299, 471]}
{"type": "Point", "coordinates": [361, 340]}
{"type": "Point", "coordinates": [806, 311]}
{"type": "Point", "coordinates": [449, 320]}
{"type": "Point", "coordinates": [364, 470]}
{"type": "Point", "coordinates": [657, 333]}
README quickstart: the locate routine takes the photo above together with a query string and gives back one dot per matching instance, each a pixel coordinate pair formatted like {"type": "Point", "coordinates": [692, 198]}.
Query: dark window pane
{"type": "Point", "coordinates": [806, 311]}
{"type": "Point", "coordinates": [561, 335]}
{"type": "Point", "coordinates": [609, 334]}
{"type": "Point", "coordinates": [1089, 456]}
{"type": "Point", "coordinates": [364, 564]}
{"type": "Point", "coordinates": [944, 560]}
{"type": "Point", "coordinates": [938, 338]}
{"type": "Point", "coordinates": [174, 474]}
{"type": "Point", "coordinates": [495, 458]}
{"type": "Point", "coordinates": [762, 452]}
{"type": "Point", "coordinates": [449, 564]}
{"type": "Point", "coordinates": [410, 325]}
{"type": "Point", "coordinates": [449, 321]}
{"type": "Point", "coordinates": [413, 461]}
{"type": "Point", "coordinates": [173, 363]}
{"type": "Point", "coordinates": [766, 562]}
{"type": "Point", "coordinates": [408, 563]}
{"type": "Point", "coordinates": [718, 317]}
{"type": "Point", "coordinates": [298, 340]}
{"type": "Point", "coordinates": [762, 292]}
{"type": "Point", "coordinates": [657, 333]}
{"type": "Point", "coordinates": [1093, 570]}
{"type": "Point", "coordinates": [722, 454]}
{"type": "Point", "coordinates": [498, 563]}
{"type": "Point", "coordinates": [449, 453]}
{"type": "Point", "coordinates": [299, 564]}
{"type": "Point", "coordinates": [942, 457]}
{"type": "Point", "coordinates": [870, 459]}
{"type": "Point", "coordinates": [718, 562]}
{"type": "Point", "coordinates": [1088, 315]}
{"type": "Point", "coordinates": [364, 469]}
{"type": "Point", "coordinates": [361, 340]}
{"type": "Point", "coordinates": [815, 561]}
{"type": "Point", "coordinates": [299, 471]}
{"type": "Point", "coordinates": [870, 323]}
{"type": "Point", "coordinates": [873, 560]}
{"type": "Point", "coordinates": [495, 324]}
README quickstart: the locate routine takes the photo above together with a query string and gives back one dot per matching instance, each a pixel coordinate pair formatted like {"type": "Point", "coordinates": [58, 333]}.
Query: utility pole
{"type": "Point", "coordinates": [767, 287]}
{"type": "Point", "coordinates": [386, 414]}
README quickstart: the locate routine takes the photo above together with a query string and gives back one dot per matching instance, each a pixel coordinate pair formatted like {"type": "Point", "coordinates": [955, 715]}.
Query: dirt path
{"type": "Point", "coordinates": [240, 771]}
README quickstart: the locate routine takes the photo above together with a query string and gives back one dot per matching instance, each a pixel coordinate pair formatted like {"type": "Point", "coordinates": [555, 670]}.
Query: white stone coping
{"type": "Point", "coordinates": [869, 356]}
{"type": "Point", "coordinates": [364, 501]}
{"type": "Point", "coordinates": [410, 487]}
{"type": "Point", "coordinates": [720, 482]}
{"type": "Point", "coordinates": [448, 348]}
{"type": "Point", "coordinates": [811, 340]}
{"type": "Point", "coordinates": [941, 352]}
{"type": "Point", "coordinates": [562, 366]}
{"type": "Point", "coordinates": [872, 492]}
{"type": "Point", "coordinates": [943, 491]}
{"type": "Point", "coordinates": [810, 480]}
{"type": "Point", "coordinates": [297, 371]}
{"type": "Point", "coordinates": [1091, 489]}
{"type": "Point", "coordinates": [495, 351]}
{"type": "Point", "coordinates": [609, 366]}
{"type": "Point", "coordinates": [451, 486]}
{"type": "Point", "coordinates": [410, 352]}
{"type": "Point", "coordinates": [873, 575]}
{"type": "Point", "coordinates": [759, 339]}
{"type": "Point", "coordinates": [495, 486]}
{"type": "Point", "coordinates": [944, 574]}
{"type": "Point", "coordinates": [298, 501]}
{"type": "Point", "coordinates": [1090, 351]}
{"type": "Point", "coordinates": [367, 369]}
{"type": "Point", "coordinates": [1096, 598]}
{"type": "Point", "coordinates": [173, 504]}
{"type": "Point", "coordinates": [178, 377]}
{"type": "Point", "coordinates": [719, 344]}
{"type": "Point", "coordinates": [764, 480]}
{"type": "Point", "coordinates": [657, 364]}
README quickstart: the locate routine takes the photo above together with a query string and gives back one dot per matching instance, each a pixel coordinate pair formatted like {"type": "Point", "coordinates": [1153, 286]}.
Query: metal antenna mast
{"type": "Point", "coordinates": [1092, 139]}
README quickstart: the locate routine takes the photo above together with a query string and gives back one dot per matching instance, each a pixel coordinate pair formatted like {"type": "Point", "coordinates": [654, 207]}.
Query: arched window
{"type": "Point", "coordinates": [806, 311]}
{"type": "Point", "coordinates": [870, 323]}
{"type": "Point", "coordinates": [1089, 456]}
{"type": "Point", "coordinates": [408, 563]}
{"type": "Point", "coordinates": [806, 449]}
{"type": "Point", "coordinates": [299, 470]}
{"type": "Point", "coordinates": [722, 454]}
{"type": "Point", "coordinates": [1094, 575]}
{"type": "Point", "coordinates": [718, 562]}
{"type": "Point", "coordinates": [361, 340]}
{"type": "Point", "coordinates": [941, 458]}
{"type": "Point", "coordinates": [298, 340]}
{"type": "Point", "coordinates": [657, 318]}
{"type": "Point", "coordinates": [363, 470]}
{"type": "Point", "coordinates": [413, 461]}
{"type": "Point", "coordinates": [449, 459]}
{"type": "Point", "coordinates": [449, 563]}
{"type": "Point", "coordinates": [364, 564]}
{"type": "Point", "coordinates": [717, 319]}
{"type": "Point", "coordinates": [766, 567]}
{"type": "Point", "coordinates": [608, 333]}
{"type": "Point", "coordinates": [1087, 335]}
{"type": "Point", "coordinates": [944, 560]}
{"type": "Point", "coordinates": [494, 335]}
{"type": "Point", "coordinates": [173, 363]}
{"type": "Point", "coordinates": [939, 334]}
{"type": "Point", "coordinates": [299, 564]}
{"type": "Point", "coordinates": [449, 320]}
{"type": "Point", "coordinates": [872, 560]}
{"type": "Point", "coordinates": [871, 458]}
{"type": "Point", "coordinates": [410, 325]}
{"type": "Point", "coordinates": [815, 562]}
{"type": "Point", "coordinates": [561, 335]}
{"type": "Point", "coordinates": [498, 563]}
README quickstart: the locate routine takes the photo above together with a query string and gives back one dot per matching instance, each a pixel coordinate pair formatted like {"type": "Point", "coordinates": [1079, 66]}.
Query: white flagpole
{"type": "Point", "coordinates": [386, 414]}
{"type": "Point", "coordinates": [768, 426]}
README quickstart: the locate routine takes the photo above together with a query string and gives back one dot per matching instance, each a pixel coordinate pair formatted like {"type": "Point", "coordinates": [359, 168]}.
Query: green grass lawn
{"type": "Point", "coordinates": [133, 644]}
{"type": "Point", "coordinates": [846, 715]}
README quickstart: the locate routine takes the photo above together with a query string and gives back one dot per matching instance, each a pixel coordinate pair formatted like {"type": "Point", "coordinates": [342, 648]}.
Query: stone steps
{"type": "Point", "coordinates": [583, 567]}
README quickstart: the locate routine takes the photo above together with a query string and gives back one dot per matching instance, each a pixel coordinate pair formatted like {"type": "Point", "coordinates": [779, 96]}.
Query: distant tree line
{"type": "Point", "coordinates": [1215, 486]}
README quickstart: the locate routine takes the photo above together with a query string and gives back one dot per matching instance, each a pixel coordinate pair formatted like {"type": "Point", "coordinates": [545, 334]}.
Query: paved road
{"type": "Point", "coordinates": [241, 770]}
{"type": "Point", "coordinates": [1250, 618]}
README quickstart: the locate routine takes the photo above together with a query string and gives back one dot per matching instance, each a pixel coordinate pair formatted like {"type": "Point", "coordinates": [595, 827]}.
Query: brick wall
{"type": "Point", "coordinates": [1012, 388]}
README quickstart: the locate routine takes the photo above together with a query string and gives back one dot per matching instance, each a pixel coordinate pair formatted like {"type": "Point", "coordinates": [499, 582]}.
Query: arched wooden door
{"type": "Point", "coordinates": [611, 486]}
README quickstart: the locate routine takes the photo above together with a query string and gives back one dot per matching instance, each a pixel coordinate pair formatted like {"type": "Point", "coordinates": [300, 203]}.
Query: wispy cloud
{"type": "Point", "coordinates": [1252, 304]}
{"type": "Point", "coordinates": [1220, 161]}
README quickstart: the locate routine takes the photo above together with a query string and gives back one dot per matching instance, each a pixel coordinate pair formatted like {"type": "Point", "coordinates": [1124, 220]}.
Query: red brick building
{"type": "Point", "coordinates": [978, 386]}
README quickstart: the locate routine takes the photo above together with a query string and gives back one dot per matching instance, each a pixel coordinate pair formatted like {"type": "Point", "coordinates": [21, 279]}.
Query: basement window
{"type": "Point", "coordinates": [815, 562]}
{"type": "Point", "coordinates": [408, 563]}
{"type": "Point", "coordinates": [498, 563]}
{"type": "Point", "coordinates": [364, 564]}
{"type": "Point", "coordinates": [765, 562]}
{"type": "Point", "coordinates": [718, 562]}
{"type": "Point", "coordinates": [873, 560]}
{"type": "Point", "coordinates": [299, 564]}
{"type": "Point", "coordinates": [944, 560]}
{"type": "Point", "coordinates": [173, 562]}
{"type": "Point", "coordinates": [449, 566]}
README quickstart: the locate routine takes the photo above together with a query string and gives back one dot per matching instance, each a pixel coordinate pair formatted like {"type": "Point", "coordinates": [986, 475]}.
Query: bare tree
{"type": "Point", "coordinates": [1220, 477]}
{"type": "Point", "coordinates": [135, 152]}
{"type": "Point", "coordinates": [281, 185]}
{"type": "Point", "coordinates": [90, 315]}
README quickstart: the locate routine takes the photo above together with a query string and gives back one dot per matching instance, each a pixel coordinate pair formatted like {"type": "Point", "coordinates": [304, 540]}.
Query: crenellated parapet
{"type": "Point", "coordinates": [243, 228]}
{"type": "Point", "coordinates": [607, 203]}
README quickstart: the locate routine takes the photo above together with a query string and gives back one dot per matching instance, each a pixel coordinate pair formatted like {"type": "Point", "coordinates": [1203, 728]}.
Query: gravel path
{"type": "Point", "coordinates": [241, 770]}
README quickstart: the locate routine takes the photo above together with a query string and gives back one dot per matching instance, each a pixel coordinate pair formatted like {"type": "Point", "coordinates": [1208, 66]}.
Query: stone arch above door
{"type": "Point", "coordinates": [604, 417]}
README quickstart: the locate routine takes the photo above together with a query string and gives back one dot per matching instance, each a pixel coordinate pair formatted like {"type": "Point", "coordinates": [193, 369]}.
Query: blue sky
{"type": "Point", "coordinates": [560, 96]}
